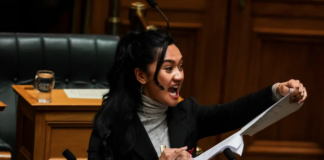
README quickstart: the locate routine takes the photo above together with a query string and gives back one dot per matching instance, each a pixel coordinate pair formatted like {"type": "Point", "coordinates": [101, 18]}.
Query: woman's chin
{"type": "Point", "coordinates": [173, 103]}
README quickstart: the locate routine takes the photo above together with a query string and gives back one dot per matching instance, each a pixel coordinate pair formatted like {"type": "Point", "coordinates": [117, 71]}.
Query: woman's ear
{"type": "Point", "coordinates": [140, 76]}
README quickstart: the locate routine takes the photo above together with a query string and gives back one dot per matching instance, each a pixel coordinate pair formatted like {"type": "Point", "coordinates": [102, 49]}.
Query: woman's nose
{"type": "Point", "coordinates": [178, 76]}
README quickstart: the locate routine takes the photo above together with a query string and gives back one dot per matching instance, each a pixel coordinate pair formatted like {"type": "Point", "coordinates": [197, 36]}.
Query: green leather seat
{"type": "Point", "coordinates": [78, 61]}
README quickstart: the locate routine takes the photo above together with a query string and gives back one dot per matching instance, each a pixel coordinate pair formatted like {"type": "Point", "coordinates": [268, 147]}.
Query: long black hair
{"type": "Point", "coordinates": [115, 123]}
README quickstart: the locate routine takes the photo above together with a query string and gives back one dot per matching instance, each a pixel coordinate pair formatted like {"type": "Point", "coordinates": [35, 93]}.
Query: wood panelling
{"type": "Point", "coordinates": [178, 5]}
{"type": "Point", "coordinates": [286, 147]}
{"type": "Point", "coordinates": [288, 23]}
{"type": "Point", "coordinates": [296, 32]}
{"type": "Point", "coordinates": [290, 10]}
{"type": "Point", "coordinates": [173, 15]}
{"type": "Point", "coordinates": [40, 135]}
{"type": "Point", "coordinates": [99, 16]}
{"type": "Point", "coordinates": [25, 120]}
{"type": "Point", "coordinates": [273, 41]}
{"type": "Point", "coordinates": [306, 54]}
{"type": "Point", "coordinates": [61, 137]}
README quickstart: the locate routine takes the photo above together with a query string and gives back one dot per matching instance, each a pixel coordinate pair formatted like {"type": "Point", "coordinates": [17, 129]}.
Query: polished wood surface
{"type": "Point", "coordinates": [2, 106]}
{"type": "Point", "coordinates": [59, 98]}
{"type": "Point", "coordinates": [45, 130]}
{"type": "Point", "coordinates": [5, 155]}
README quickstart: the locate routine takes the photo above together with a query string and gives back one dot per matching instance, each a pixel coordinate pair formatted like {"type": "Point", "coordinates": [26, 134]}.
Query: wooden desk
{"type": "Point", "coordinates": [45, 130]}
{"type": "Point", "coordinates": [2, 106]}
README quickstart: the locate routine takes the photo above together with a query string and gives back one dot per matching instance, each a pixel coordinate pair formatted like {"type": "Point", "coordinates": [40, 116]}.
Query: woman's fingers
{"type": "Point", "coordinates": [184, 155]}
{"type": "Point", "coordinates": [284, 89]}
{"type": "Point", "coordinates": [295, 96]}
{"type": "Point", "coordinates": [172, 150]}
{"type": "Point", "coordinates": [299, 93]}
{"type": "Point", "coordinates": [178, 151]}
{"type": "Point", "coordinates": [173, 153]}
{"type": "Point", "coordinates": [301, 89]}
{"type": "Point", "coordinates": [304, 96]}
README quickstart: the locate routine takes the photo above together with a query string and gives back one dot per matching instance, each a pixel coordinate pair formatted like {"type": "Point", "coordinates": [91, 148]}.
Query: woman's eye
{"type": "Point", "coordinates": [168, 68]}
{"type": "Point", "coordinates": [181, 66]}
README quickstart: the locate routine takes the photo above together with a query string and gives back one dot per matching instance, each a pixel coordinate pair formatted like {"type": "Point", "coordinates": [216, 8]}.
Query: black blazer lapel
{"type": "Point", "coordinates": [143, 145]}
{"type": "Point", "coordinates": [178, 126]}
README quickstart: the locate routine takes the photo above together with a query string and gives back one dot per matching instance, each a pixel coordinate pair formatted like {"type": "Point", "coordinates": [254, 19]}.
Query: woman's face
{"type": "Point", "coordinates": [170, 77]}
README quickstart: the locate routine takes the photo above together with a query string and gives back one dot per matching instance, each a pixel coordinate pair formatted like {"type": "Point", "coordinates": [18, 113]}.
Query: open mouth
{"type": "Point", "coordinates": [173, 91]}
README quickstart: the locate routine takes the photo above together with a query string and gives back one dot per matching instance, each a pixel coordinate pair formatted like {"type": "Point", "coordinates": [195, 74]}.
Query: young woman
{"type": "Point", "coordinates": [141, 116]}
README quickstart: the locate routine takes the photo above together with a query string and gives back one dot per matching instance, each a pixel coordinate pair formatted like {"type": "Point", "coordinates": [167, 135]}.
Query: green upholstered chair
{"type": "Point", "coordinates": [79, 61]}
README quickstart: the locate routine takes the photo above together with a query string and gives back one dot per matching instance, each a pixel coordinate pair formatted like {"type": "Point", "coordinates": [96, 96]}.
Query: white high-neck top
{"type": "Point", "coordinates": [153, 116]}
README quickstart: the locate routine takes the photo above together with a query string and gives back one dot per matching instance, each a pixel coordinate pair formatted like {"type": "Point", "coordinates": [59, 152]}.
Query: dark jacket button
{"type": "Point", "coordinates": [66, 80]}
{"type": "Point", "coordinates": [93, 81]}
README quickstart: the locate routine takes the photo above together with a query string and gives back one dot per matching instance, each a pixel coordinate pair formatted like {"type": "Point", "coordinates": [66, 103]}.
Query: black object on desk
{"type": "Point", "coordinates": [229, 154]}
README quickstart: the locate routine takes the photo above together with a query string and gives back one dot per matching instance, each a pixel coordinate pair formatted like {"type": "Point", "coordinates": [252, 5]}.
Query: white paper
{"type": "Point", "coordinates": [235, 142]}
{"type": "Point", "coordinates": [86, 93]}
{"type": "Point", "coordinates": [280, 109]}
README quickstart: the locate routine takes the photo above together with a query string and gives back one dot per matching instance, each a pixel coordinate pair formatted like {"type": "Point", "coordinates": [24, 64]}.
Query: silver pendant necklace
{"type": "Point", "coordinates": [162, 147]}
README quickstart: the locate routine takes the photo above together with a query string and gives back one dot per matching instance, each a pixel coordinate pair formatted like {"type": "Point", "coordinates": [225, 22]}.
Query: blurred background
{"type": "Point", "coordinates": [230, 48]}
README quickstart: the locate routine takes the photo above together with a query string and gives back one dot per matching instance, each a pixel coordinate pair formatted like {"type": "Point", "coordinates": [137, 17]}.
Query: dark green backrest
{"type": "Point", "coordinates": [78, 61]}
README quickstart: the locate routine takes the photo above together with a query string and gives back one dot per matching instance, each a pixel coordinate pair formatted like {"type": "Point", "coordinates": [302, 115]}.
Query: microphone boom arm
{"type": "Point", "coordinates": [166, 19]}
{"type": "Point", "coordinates": [153, 4]}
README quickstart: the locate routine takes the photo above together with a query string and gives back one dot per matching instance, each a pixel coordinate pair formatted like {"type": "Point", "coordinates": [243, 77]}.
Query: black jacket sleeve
{"type": "Point", "coordinates": [93, 151]}
{"type": "Point", "coordinates": [217, 119]}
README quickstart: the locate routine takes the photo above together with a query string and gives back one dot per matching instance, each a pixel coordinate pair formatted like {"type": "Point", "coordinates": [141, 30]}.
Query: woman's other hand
{"type": "Point", "coordinates": [184, 155]}
{"type": "Point", "coordinates": [175, 154]}
{"type": "Point", "coordinates": [298, 95]}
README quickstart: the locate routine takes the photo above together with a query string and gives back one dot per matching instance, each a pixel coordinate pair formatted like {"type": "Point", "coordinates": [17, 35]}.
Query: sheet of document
{"type": "Point", "coordinates": [273, 114]}
{"type": "Point", "coordinates": [86, 93]}
{"type": "Point", "coordinates": [235, 142]}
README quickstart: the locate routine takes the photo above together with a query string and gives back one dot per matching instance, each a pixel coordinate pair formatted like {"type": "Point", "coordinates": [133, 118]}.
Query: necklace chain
{"type": "Point", "coordinates": [162, 146]}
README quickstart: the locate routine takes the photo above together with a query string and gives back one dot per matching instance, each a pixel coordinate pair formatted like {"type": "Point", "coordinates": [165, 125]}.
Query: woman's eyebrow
{"type": "Point", "coordinates": [171, 61]}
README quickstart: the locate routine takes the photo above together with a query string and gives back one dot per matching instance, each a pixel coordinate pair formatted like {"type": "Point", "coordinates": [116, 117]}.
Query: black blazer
{"type": "Point", "coordinates": [189, 122]}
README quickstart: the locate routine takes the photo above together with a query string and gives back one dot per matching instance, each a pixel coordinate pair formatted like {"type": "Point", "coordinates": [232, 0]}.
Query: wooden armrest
{"type": "Point", "coordinates": [5, 155]}
{"type": "Point", "coordinates": [2, 106]}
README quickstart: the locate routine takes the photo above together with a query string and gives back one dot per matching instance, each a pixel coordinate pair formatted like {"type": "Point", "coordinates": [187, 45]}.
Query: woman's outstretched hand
{"type": "Point", "coordinates": [175, 154]}
{"type": "Point", "coordinates": [299, 94]}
